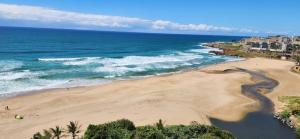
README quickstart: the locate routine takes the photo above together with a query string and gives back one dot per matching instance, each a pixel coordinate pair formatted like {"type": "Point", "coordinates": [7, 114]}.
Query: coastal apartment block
{"type": "Point", "coordinates": [272, 43]}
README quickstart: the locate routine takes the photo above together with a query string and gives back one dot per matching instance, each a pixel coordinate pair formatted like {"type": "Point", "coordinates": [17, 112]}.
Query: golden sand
{"type": "Point", "coordinates": [176, 98]}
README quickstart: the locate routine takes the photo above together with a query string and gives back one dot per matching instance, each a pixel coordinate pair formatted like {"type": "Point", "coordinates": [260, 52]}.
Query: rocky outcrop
{"type": "Point", "coordinates": [290, 121]}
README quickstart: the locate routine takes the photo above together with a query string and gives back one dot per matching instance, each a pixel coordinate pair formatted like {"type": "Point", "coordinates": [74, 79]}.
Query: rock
{"type": "Point", "coordinates": [217, 52]}
{"type": "Point", "coordinates": [19, 117]}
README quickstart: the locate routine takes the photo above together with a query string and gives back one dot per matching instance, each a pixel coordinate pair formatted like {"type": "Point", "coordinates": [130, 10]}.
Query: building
{"type": "Point", "coordinates": [272, 43]}
{"type": "Point", "coordinates": [255, 43]}
{"type": "Point", "coordinates": [296, 40]}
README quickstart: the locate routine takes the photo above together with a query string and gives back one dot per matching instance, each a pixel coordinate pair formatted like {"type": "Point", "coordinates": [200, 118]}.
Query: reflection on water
{"type": "Point", "coordinates": [259, 124]}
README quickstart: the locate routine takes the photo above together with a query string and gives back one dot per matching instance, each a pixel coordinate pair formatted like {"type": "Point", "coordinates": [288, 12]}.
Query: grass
{"type": "Point", "coordinates": [292, 107]}
{"type": "Point", "coordinates": [231, 46]}
{"type": "Point", "coordinates": [290, 99]}
{"type": "Point", "coordinates": [237, 50]}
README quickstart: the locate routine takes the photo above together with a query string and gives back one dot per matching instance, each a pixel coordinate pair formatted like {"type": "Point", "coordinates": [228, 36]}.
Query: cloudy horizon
{"type": "Point", "coordinates": [38, 16]}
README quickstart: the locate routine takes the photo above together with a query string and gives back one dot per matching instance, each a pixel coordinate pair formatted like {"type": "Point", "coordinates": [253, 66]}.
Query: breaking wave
{"type": "Point", "coordinates": [81, 71]}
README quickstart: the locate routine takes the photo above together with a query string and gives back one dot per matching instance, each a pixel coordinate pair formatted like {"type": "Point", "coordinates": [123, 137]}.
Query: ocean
{"type": "Point", "coordinates": [34, 59]}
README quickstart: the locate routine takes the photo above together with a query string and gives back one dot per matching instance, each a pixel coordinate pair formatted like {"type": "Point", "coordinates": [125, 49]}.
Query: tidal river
{"type": "Point", "coordinates": [259, 124]}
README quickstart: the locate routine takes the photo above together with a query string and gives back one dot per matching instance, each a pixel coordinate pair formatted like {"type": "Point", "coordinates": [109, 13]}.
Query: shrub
{"type": "Point", "coordinates": [208, 136]}
{"type": "Point", "coordinates": [46, 135]}
{"type": "Point", "coordinates": [123, 124]}
{"type": "Point", "coordinates": [125, 129]}
{"type": "Point", "coordinates": [149, 132]}
{"type": "Point", "coordinates": [285, 114]}
{"type": "Point", "coordinates": [160, 125]}
{"type": "Point", "coordinates": [297, 59]}
{"type": "Point", "coordinates": [121, 129]}
{"type": "Point", "coordinates": [298, 133]}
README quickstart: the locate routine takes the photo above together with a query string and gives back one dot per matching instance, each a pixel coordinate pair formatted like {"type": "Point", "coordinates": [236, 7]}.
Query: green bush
{"type": "Point", "coordinates": [121, 129]}
{"type": "Point", "coordinates": [125, 129]}
{"type": "Point", "coordinates": [149, 132]}
{"type": "Point", "coordinates": [285, 114]}
{"type": "Point", "coordinates": [46, 135]}
{"type": "Point", "coordinates": [298, 133]}
{"type": "Point", "coordinates": [208, 136]}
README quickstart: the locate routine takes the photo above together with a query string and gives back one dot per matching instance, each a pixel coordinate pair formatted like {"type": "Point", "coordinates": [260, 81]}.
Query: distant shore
{"type": "Point", "coordinates": [176, 98]}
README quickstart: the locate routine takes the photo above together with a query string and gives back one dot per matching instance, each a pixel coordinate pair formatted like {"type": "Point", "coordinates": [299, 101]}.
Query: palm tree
{"type": "Point", "coordinates": [57, 132]}
{"type": "Point", "coordinates": [73, 128]}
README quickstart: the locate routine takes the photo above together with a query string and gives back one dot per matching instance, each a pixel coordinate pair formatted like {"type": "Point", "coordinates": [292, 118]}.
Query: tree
{"type": "Point", "coordinates": [37, 135]}
{"type": "Point", "coordinates": [73, 128]}
{"type": "Point", "coordinates": [297, 58]}
{"type": "Point", "coordinates": [160, 125]}
{"type": "Point", "coordinates": [57, 132]}
{"type": "Point", "coordinates": [46, 135]}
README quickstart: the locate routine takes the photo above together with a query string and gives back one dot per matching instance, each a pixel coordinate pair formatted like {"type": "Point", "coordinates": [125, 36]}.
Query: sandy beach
{"type": "Point", "coordinates": [177, 99]}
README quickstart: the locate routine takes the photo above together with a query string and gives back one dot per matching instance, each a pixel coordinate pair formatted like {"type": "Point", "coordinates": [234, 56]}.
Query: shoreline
{"type": "Point", "coordinates": [47, 90]}
{"type": "Point", "coordinates": [177, 98]}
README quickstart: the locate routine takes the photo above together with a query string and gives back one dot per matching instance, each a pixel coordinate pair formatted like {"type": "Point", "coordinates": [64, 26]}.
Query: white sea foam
{"type": "Point", "coordinates": [7, 76]}
{"type": "Point", "coordinates": [58, 59]}
{"type": "Point", "coordinates": [7, 65]}
{"type": "Point", "coordinates": [112, 71]}
{"type": "Point", "coordinates": [232, 59]}
{"type": "Point", "coordinates": [128, 60]}
{"type": "Point", "coordinates": [109, 68]}
{"type": "Point", "coordinates": [83, 61]}
{"type": "Point", "coordinates": [205, 50]}
{"type": "Point", "coordinates": [143, 60]}
{"type": "Point", "coordinates": [9, 87]}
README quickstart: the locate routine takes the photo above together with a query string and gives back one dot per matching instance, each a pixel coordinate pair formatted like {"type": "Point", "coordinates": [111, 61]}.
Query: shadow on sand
{"type": "Point", "coordinates": [259, 124]}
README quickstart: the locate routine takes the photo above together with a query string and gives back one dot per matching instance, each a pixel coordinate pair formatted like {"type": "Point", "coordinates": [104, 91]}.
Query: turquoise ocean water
{"type": "Point", "coordinates": [34, 59]}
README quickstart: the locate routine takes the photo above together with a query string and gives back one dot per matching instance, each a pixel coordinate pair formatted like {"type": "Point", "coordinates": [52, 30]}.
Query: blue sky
{"type": "Point", "coordinates": [224, 17]}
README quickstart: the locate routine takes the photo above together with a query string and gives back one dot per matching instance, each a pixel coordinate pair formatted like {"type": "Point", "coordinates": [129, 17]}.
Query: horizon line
{"type": "Point", "coordinates": [133, 32]}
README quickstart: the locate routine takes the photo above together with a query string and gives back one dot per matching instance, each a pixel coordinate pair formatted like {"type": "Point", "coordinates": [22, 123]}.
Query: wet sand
{"type": "Point", "coordinates": [177, 99]}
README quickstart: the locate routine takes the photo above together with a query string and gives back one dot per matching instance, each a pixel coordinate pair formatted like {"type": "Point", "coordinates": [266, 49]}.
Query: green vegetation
{"type": "Point", "coordinates": [292, 105]}
{"type": "Point", "coordinates": [73, 129]}
{"type": "Point", "coordinates": [297, 59]}
{"type": "Point", "coordinates": [47, 135]}
{"type": "Point", "coordinates": [57, 132]}
{"type": "Point", "coordinates": [125, 129]}
{"type": "Point", "coordinates": [298, 133]}
{"type": "Point", "coordinates": [235, 49]}
{"type": "Point", "coordinates": [238, 53]}
{"type": "Point", "coordinates": [231, 46]}
{"type": "Point", "coordinates": [292, 108]}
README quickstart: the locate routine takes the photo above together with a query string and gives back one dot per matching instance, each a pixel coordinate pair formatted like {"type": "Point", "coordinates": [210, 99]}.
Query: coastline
{"type": "Point", "coordinates": [47, 90]}
{"type": "Point", "coordinates": [177, 98]}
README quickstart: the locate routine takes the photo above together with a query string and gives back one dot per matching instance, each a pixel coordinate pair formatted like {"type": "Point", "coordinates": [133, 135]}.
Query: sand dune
{"type": "Point", "coordinates": [177, 99]}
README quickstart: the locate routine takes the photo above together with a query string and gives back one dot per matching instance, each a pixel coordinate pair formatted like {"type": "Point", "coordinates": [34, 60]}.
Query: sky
{"type": "Point", "coordinates": [210, 17]}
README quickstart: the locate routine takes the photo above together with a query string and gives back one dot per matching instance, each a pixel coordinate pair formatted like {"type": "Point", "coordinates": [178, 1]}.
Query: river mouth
{"type": "Point", "coordinates": [259, 124]}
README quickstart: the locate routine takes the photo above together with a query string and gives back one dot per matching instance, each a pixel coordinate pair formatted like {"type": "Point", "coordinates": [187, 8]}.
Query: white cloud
{"type": "Point", "coordinates": [160, 24]}
{"type": "Point", "coordinates": [47, 15]}
{"type": "Point", "coordinates": [41, 14]}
